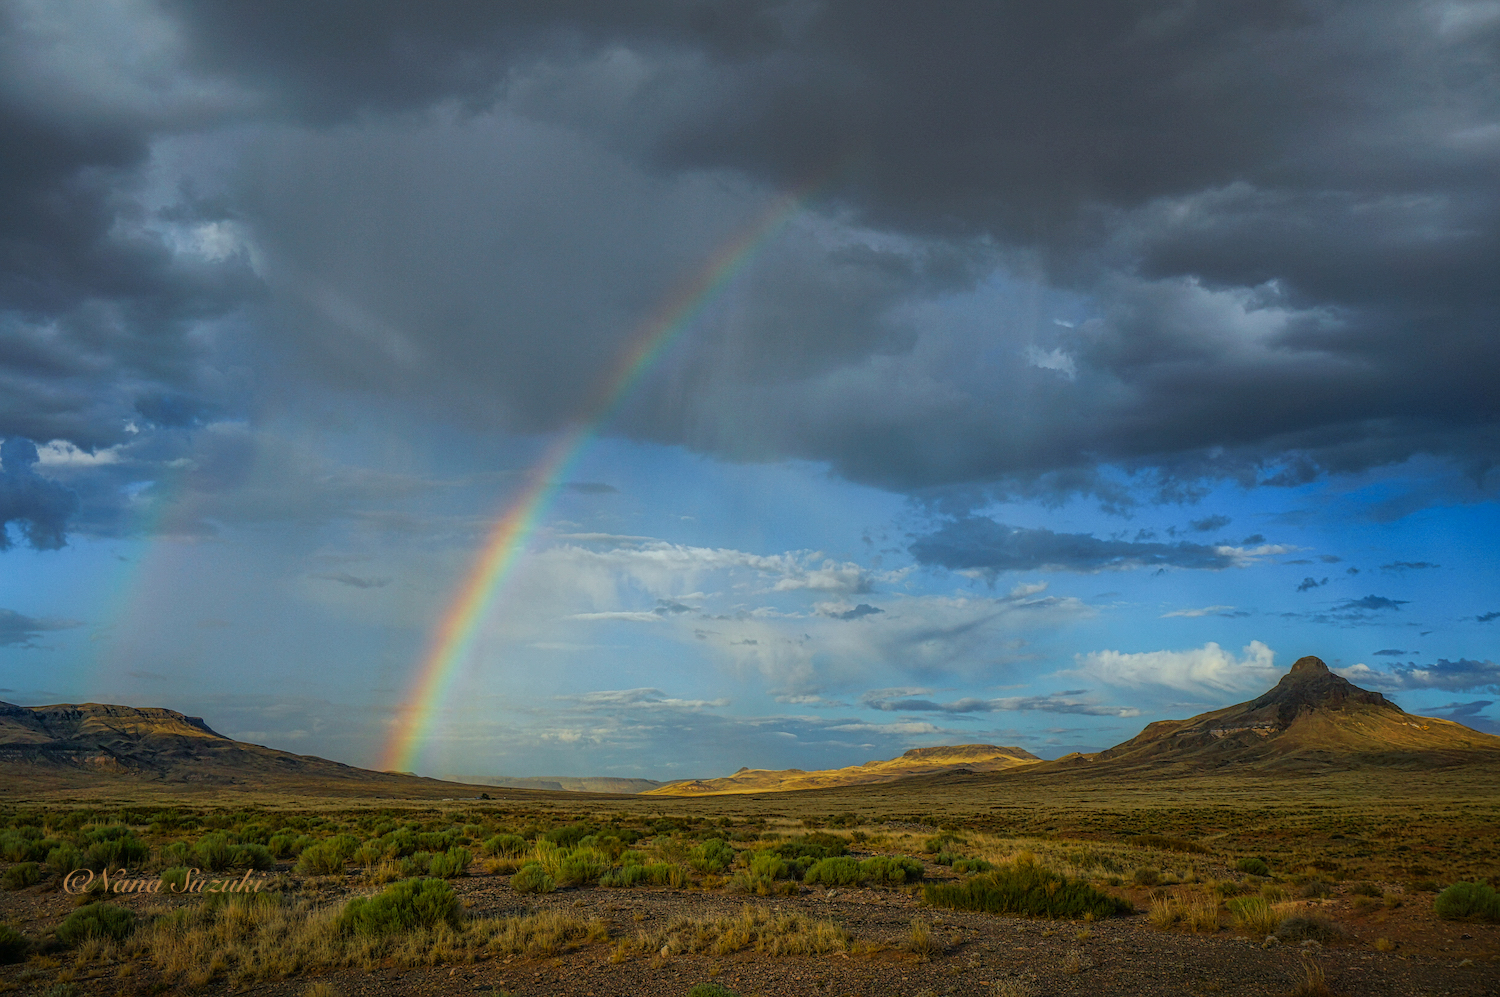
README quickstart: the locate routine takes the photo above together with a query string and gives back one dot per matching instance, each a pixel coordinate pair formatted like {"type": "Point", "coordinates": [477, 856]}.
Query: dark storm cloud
{"type": "Point", "coordinates": [974, 543]}
{"type": "Point", "coordinates": [39, 506]}
{"type": "Point", "coordinates": [1280, 220]}
{"type": "Point", "coordinates": [18, 630]}
{"type": "Point", "coordinates": [1310, 583]}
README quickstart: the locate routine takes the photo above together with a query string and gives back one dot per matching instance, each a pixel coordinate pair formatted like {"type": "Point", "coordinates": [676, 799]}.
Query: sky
{"type": "Point", "coordinates": [650, 390]}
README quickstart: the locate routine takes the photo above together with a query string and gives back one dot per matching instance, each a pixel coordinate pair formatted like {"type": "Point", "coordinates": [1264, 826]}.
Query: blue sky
{"type": "Point", "coordinates": [1044, 417]}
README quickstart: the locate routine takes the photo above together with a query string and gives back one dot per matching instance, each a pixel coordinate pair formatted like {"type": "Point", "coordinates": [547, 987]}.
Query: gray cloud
{"type": "Point", "coordinates": [858, 612]}
{"type": "Point", "coordinates": [1310, 583]}
{"type": "Point", "coordinates": [1399, 566]}
{"type": "Point", "coordinates": [40, 506]}
{"type": "Point", "coordinates": [1463, 675]}
{"type": "Point", "coordinates": [1282, 280]}
{"type": "Point", "coordinates": [1372, 602]}
{"type": "Point", "coordinates": [1210, 523]}
{"type": "Point", "coordinates": [1392, 652]}
{"type": "Point", "coordinates": [980, 544]}
{"type": "Point", "coordinates": [1057, 702]}
{"type": "Point", "coordinates": [354, 581]}
{"type": "Point", "coordinates": [1487, 617]}
{"type": "Point", "coordinates": [19, 630]}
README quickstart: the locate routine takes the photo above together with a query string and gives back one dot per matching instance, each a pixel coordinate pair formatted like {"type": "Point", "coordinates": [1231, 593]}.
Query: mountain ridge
{"type": "Point", "coordinates": [911, 764]}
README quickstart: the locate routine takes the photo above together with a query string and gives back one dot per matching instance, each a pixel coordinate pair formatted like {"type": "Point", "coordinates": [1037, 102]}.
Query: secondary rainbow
{"type": "Point", "coordinates": [507, 540]}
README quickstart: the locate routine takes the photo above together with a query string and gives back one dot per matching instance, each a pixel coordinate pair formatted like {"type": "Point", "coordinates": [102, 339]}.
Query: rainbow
{"type": "Point", "coordinates": [454, 637]}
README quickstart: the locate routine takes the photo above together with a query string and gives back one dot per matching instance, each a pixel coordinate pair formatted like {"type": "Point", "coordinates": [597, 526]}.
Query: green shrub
{"type": "Point", "coordinates": [14, 846]}
{"type": "Point", "coordinates": [323, 858]}
{"type": "Point", "coordinates": [13, 945]}
{"type": "Point", "coordinates": [1314, 888]}
{"type": "Point", "coordinates": [947, 858]}
{"type": "Point", "coordinates": [177, 853]}
{"type": "Point", "coordinates": [970, 866]}
{"type": "Point", "coordinates": [213, 852]}
{"type": "Point", "coordinates": [532, 879]}
{"type": "Point", "coordinates": [251, 856]}
{"type": "Point", "coordinates": [768, 865]}
{"type": "Point", "coordinates": [818, 845]}
{"type": "Point", "coordinates": [887, 870]}
{"type": "Point", "coordinates": [1468, 902]}
{"type": "Point", "coordinates": [714, 855]}
{"type": "Point", "coordinates": [1163, 843]}
{"type": "Point", "coordinates": [938, 844]}
{"type": "Point", "coordinates": [452, 863]}
{"type": "Point", "coordinates": [174, 876]}
{"type": "Point", "coordinates": [1028, 889]}
{"type": "Point", "coordinates": [569, 835]}
{"type": "Point", "coordinates": [96, 920]}
{"type": "Point", "coordinates": [1147, 877]}
{"type": "Point", "coordinates": [403, 907]}
{"type": "Point", "coordinates": [585, 865]}
{"type": "Point", "coordinates": [436, 841]}
{"type": "Point", "coordinates": [119, 852]}
{"type": "Point", "coordinates": [666, 874]}
{"type": "Point", "coordinates": [1253, 867]}
{"type": "Point", "coordinates": [842, 871]}
{"type": "Point", "coordinates": [416, 864]}
{"type": "Point", "coordinates": [710, 990]}
{"type": "Point", "coordinates": [282, 846]}
{"type": "Point", "coordinates": [505, 844]}
{"type": "Point", "coordinates": [625, 876]}
{"type": "Point", "coordinates": [18, 877]}
{"type": "Point", "coordinates": [1366, 890]}
{"type": "Point", "coordinates": [64, 859]}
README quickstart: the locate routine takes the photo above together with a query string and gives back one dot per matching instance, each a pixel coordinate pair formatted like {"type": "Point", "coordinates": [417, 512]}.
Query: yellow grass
{"type": "Point", "coordinates": [772, 932]}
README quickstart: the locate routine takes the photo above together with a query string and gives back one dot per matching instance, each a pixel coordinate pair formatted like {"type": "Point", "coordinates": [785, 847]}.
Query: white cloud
{"type": "Point", "coordinates": [61, 453]}
{"type": "Point", "coordinates": [1202, 669]}
{"type": "Point", "coordinates": [1205, 611]}
{"type": "Point", "coordinates": [1052, 360]}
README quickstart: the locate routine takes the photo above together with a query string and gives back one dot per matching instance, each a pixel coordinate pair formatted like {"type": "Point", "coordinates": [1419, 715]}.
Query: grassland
{"type": "Point", "coordinates": [647, 891]}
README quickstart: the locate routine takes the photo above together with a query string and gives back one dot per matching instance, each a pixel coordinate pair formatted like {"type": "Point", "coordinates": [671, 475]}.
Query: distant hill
{"type": "Point", "coordinates": [1312, 720]}
{"type": "Point", "coordinates": [916, 762]}
{"type": "Point", "coordinates": [91, 744]}
{"type": "Point", "coordinates": [565, 783]}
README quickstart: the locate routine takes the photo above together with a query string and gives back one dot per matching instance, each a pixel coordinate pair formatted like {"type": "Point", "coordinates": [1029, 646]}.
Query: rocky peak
{"type": "Point", "coordinates": [1311, 686]}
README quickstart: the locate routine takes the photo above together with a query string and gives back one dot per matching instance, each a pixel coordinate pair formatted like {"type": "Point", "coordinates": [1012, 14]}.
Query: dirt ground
{"type": "Point", "coordinates": [984, 954]}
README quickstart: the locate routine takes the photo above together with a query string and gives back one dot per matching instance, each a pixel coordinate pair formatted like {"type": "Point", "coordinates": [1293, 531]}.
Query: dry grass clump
{"type": "Point", "coordinates": [755, 927]}
{"type": "Point", "coordinates": [257, 938]}
{"type": "Point", "coordinates": [1314, 983]}
{"type": "Point", "coordinates": [545, 933]}
{"type": "Point", "coordinates": [1193, 912]}
{"type": "Point", "coordinates": [923, 942]}
{"type": "Point", "coordinates": [1076, 961]}
{"type": "Point", "coordinates": [1258, 916]}
{"type": "Point", "coordinates": [1304, 927]}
